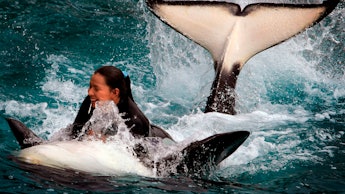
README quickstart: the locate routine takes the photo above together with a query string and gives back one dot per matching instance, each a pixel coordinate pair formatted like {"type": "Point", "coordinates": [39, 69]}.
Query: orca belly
{"type": "Point", "coordinates": [117, 158]}
{"type": "Point", "coordinates": [93, 157]}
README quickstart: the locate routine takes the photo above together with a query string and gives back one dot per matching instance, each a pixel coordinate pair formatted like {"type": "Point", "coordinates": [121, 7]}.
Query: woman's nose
{"type": "Point", "coordinates": [90, 91]}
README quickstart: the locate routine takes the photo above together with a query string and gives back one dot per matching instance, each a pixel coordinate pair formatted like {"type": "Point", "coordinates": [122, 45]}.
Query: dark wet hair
{"type": "Point", "coordinates": [114, 78]}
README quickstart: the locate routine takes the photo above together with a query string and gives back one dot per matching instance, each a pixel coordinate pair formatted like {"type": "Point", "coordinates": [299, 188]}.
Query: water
{"type": "Point", "coordinates": [291, 97]}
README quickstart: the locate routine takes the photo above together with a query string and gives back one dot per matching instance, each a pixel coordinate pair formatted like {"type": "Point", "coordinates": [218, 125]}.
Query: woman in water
{"type": "Point", "coordinates": [109, 83]}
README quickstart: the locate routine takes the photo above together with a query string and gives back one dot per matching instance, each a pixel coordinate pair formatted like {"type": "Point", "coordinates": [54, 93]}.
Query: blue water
{"type": "Point", "coordinates": [291, 97]}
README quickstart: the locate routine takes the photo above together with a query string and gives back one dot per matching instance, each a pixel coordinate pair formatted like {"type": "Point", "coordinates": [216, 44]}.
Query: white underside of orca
{"type": "Point", "coordinates": [94, 157]}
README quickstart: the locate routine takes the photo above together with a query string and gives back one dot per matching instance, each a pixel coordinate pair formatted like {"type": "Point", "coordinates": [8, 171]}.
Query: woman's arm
{"type": "Point", "coordinates": [84, 114]}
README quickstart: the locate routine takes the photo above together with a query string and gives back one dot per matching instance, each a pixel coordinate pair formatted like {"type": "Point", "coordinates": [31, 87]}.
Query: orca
{"type": "Point", "coordinates": [234, 33]}
{"type": "Point", "coordinates": [100, 158]}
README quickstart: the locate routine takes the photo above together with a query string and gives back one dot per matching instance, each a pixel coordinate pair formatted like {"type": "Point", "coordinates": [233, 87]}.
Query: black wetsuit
{"type": "Point", "coordinates": [134, 119]}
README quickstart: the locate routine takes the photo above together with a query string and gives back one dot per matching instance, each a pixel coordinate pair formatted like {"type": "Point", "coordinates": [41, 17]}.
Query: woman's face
{"type": "Point", "coordinates": [100, 91]}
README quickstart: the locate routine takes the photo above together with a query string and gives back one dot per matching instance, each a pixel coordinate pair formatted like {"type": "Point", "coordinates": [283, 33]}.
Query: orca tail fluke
{"type": "Point", "coordinates": [233, 34]}
{"type": "Point", "coordinates": [25, 137]}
